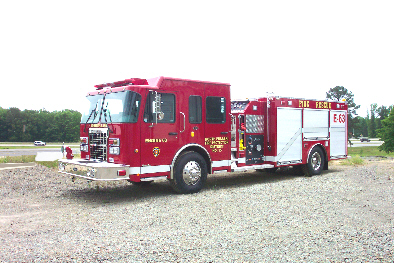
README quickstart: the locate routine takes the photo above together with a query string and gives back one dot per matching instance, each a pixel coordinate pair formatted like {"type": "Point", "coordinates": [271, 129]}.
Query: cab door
{"type": "Point", "coordinates": [159, 132]}
{"type": "Point", "coordinates": [218, 125]}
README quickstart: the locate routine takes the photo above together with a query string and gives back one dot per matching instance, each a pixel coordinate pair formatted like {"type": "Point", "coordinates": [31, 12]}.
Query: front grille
{"type": "Point", "coordinates": [98, 143]}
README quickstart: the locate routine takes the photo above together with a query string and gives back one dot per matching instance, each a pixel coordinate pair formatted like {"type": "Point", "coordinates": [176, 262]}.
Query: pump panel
{"type": "Point", "coordinates": [254, 149]}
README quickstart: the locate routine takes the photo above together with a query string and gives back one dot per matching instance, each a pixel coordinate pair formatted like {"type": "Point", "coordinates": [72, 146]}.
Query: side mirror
{"type": "Point", "coordinates": [156, 107]}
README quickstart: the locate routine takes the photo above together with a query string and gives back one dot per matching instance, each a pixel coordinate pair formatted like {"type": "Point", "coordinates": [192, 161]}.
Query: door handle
{"type": "Point", "coordinates": [172, 133]}
{"type": "Point", "coordinates": [184, 122]}
{"type": "Point", "coordinates": [224, 133]}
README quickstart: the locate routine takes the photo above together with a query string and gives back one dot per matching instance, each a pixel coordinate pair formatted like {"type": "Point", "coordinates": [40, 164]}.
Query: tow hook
{"type": "Point", "coordinates": [73, 179]}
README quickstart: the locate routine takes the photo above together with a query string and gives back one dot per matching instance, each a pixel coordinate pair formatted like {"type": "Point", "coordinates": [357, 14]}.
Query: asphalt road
{"type": "Point", "coordinates": [357, 143]}
{"type": "Point", "coordinates": [32, 151]}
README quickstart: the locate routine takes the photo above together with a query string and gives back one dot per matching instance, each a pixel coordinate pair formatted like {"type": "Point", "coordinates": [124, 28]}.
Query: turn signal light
{"type": "Point", "coordinates": [114, 141]}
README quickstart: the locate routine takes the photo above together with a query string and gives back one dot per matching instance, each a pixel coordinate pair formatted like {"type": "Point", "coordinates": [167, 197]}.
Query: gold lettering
{"type": "Point", "coordinates": [216, 146]}
{"type": "Point", "coordinates": [216, 141]}
{"type": "Point", "coordinates": [303, 104]}
{"type": "Point", "coordinates": [99, 125]}
{"type": "Point", "coordinates": [155, 140]}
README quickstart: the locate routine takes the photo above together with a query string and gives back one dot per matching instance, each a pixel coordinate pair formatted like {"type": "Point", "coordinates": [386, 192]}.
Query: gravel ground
{"type": "Point", "coordinates": [344, 215]}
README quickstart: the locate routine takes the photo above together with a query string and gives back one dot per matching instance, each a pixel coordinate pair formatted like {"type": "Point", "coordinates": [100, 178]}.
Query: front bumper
{"type": "Point", "coordinates": [92, 170]}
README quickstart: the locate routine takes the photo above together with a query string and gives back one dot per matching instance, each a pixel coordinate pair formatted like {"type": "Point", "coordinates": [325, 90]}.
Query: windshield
{"type": "Point", "coordinates": [113, 108]}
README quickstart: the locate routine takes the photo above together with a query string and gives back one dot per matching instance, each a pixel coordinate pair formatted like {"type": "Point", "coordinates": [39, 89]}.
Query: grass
{"type": "Point", "coordinates": [367, 151]}
{"type": "Point", "coordinates": [354, 160]}
{"type": "Point", "coordinates": [49, 164]}
{"type": "Point", "coordinates": [356, 154]}
{"type": "Point", "coordinates": [18, 159]}
{"type": "Point", "coordinates": [26, 147]}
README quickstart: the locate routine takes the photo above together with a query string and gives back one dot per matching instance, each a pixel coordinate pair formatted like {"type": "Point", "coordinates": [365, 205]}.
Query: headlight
{"type": "Point", "coordinates": [84, 148]}
{"type": "Point", "coordinates": [114, 150]}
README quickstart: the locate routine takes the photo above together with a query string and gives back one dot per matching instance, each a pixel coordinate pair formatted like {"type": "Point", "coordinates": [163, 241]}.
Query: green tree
{"type": "Point", "coordinates": [14, 125]}
{"type": "Point", "coordinates": [386, 133]}
{"type": "Point", "coordinates": [30, 125]}
{"type": "Point", "coordinates": [360, 127]}
{"type": "Point", "coordinates": [372, 121]}
{"type": "Point", "coordinates": [67, 126]}
{"type": "Point", "coordinates": [382, 113]}
{"type": "Point", "coordinates": [340, 93]}
{"type": "Point", "coordinates": [3, 126]}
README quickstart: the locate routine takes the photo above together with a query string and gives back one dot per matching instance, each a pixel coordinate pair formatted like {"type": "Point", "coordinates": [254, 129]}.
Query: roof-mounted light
{"type": "Point", "coordinates": [133, 81]}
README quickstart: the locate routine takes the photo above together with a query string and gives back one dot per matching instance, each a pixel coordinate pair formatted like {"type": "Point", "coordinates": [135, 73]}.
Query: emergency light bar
{"type": "Point", "coordinates": [133, 81]}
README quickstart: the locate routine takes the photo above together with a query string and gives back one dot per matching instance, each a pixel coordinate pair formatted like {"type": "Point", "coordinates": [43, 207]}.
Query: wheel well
{"type": "Point", "coordinates": [321, 147]}
{"type": "Point", "coordinates": [193, 148]}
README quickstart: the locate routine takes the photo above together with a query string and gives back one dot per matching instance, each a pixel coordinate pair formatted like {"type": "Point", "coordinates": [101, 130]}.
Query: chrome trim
{"type": "Point", "coordinates": [181, 150]}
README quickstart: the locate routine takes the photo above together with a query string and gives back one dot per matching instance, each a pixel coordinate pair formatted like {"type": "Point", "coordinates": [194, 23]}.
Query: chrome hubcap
{"type": "Point", "coordinates": [191, 173]}
{"type": "Point", "coordinates": [316, 161]}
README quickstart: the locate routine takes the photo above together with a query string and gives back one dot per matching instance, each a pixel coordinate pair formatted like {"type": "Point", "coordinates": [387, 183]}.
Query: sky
{"type": "Point", "coordinates": [52, 53]}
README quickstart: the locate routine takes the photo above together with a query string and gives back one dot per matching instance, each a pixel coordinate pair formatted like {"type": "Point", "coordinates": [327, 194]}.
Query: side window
{"type": "Point", "coordinates": [216, 109]}
{"type": "Point", "coordinates": [195, 109]}
{"type": "Point", "coordinates": [161, 105]}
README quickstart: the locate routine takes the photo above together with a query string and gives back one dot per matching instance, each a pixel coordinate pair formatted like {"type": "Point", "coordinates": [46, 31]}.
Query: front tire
{"type": "Point", "coordinates": [315, 163]}
{"type": "Point", "coordinates": [190, 173]}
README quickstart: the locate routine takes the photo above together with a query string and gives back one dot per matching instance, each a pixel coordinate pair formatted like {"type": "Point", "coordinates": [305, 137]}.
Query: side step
{"type": "Point", "coordinates": [253, 167]}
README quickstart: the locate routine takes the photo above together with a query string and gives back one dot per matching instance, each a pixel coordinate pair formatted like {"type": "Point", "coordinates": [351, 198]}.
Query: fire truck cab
{"type": "Point", "coordinates": [142, 130]}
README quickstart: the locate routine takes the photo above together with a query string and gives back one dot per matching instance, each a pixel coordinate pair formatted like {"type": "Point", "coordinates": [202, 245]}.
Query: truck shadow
{"type": "Point", "coordinates": [232, 180]}
{"type": "Point", "coordinates": [112, 193]}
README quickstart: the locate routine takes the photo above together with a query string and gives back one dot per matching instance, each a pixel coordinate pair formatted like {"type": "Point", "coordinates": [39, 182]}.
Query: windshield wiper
{"type": "Point", "coordinates": [95, 114]}
{"type": "Point", "coordinates": [110, 118]}
{"type": "Point", "coordinates": [102, 107]}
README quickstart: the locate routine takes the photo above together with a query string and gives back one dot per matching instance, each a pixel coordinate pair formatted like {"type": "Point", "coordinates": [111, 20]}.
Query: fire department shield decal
{"type": "Point", "coordinates": [156, 151]}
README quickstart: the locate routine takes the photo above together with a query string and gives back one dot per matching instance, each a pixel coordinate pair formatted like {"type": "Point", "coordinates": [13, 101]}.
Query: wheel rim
{"type": "Point", "coordinates": [191, 173]}
{"type": "Point", "coordinates": [316, 161]}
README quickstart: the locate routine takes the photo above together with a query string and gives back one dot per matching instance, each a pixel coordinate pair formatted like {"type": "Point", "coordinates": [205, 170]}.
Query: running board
{"type": "Point", "coordinates": [253, 167]}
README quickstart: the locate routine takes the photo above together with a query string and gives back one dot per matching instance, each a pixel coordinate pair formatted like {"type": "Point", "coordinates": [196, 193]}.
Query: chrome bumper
{"type": "Point", "coordinates": [91, 170]}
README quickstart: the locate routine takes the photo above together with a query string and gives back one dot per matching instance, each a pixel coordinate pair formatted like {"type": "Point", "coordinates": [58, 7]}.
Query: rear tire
{"type": "Point", "coordinates": [190, 173]}
{"type": "Point", "coordinates": [315, 163]}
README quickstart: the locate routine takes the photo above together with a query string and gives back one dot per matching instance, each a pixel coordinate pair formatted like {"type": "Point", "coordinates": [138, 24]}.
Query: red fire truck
{"type": "Point", "coordinates": [142, 130]}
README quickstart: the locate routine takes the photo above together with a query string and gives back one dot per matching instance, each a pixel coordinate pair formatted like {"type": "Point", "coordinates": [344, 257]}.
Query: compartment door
{"type": "Point", "coordinates": [338, 136]}
{"type": "Point", "coordinates": [289, 135]}
{"type": "Point", "coordinates": [316, 124]}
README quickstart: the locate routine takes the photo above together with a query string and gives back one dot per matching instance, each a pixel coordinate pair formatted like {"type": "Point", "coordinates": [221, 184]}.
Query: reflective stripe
{"type": "Point", "coordinates": [155, 169]}
{"type": "Point", "coordinates": [242, 160]}
{"type": "Point", "coordinates": [134, 170]}
{"type": "Point", "coordinates": [221, 163]}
